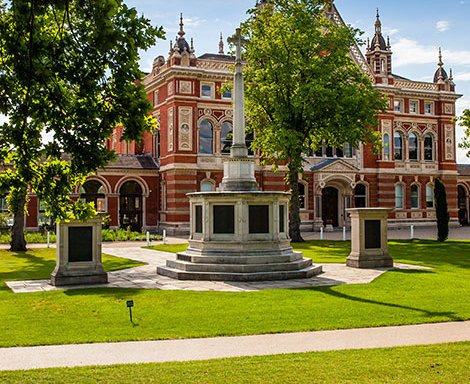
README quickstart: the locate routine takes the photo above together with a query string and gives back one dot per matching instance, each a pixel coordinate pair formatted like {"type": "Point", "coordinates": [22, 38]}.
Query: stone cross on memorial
{"type": "Point", "coordinates": [238, 148]}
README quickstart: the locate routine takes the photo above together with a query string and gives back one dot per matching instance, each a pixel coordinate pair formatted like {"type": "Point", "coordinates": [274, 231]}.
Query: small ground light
{"type": "Point", "coordinates": [130, 304]}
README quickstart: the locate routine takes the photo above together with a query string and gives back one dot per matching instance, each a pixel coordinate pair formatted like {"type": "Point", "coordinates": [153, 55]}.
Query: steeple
{"type": "Point", "coordinates": [379, 54]}
{"type": "Point", "coordinates": [221, 45]}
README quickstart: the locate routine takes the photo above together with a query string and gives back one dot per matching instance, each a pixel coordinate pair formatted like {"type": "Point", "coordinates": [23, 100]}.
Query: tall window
{"type": "Point", "coordinates": [206, 137]}
{"type": "Point", "coordinates": [43, 219]}
{"type": "Point", "coordinates": [348, 150]}
{"type": "Point", "coordinates": [413, 146]}
{"type": "Point", "coordinates": [226, 137]}
{"type": "Point", "coordinates": [386, 144]}
{"type": "Point", "coordinates": [398, 105]}
{"type": "Point", "coordinates": [360, 196]}
{"type": "Point", "coordinates": [302, 196]}
{"type": "Point", "coordinates": [428, 147]}
{"type": "Point", "coordinates": [429, 196]}
{"type": "Point", "coordinates": [399, 195]}
{"type": "Point", "coordinates": [428, 108]}
{"type": "Point", "coordinates": [398, 146]}
{"type": "Point", "coordinates": [249, 137]}
{"type": "Point", "coordinates": [413, 106]}
{"type": "Point", "coordinates": [414, 196]}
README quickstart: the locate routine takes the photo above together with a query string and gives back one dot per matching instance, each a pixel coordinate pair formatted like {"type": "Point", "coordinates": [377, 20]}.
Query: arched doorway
{"type": "Point", "coordinates": [130, 206]}
{"type": "Point", "coordinates": [330, 206]}
{"type": "Point", "coordinates": [463, 207]}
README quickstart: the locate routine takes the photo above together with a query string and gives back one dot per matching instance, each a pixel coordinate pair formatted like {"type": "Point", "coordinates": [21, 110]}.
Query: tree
{"type": "Point", "coordinates": [68, 71]}
{"type": "Point", "coordinates": [442, 213]}
{"type": "Point", "coordinates": [464, 121]}
{"type": "Point", "coordinates": [303, 88]}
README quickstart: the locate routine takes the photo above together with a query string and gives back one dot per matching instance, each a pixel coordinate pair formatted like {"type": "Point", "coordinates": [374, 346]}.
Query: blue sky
{"type": "Point", "coordinates": [417, 28]}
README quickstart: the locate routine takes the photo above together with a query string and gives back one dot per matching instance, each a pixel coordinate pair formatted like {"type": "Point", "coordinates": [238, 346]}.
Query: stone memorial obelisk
{"type": "Point", "coordinates": [239, 233]}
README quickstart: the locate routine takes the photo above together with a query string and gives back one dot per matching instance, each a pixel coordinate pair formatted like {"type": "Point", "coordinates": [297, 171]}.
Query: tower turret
{"type": "Point", "coordinates": [379, 55]}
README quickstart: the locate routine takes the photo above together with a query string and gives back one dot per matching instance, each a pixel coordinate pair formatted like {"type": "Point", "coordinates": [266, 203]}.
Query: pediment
{"type": "Point", "coordinates": [335, 166]}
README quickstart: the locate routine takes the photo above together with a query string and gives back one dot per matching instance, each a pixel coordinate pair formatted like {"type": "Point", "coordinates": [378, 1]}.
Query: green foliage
{"type": "Point", "coordinates": [442, 213]}
{"type": "Point", "coordinates": [441, 363]}
{"type": "Point", "coordinates": [464, 121]}
{"type": "Point", "coordinates": [68, 70]}
{"type": "Point", "coordinates": [125, 235]}
{"type": "Point", "coordinates": [302, 86]}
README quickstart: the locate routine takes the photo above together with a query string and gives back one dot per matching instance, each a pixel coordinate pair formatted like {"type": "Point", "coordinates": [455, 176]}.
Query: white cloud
{"type": "Point", "coordinates": [409, 52]}
{"type": "Point", "coordinates": [443, 25]}
{"type": "Point", "coordinates": [462, 76]}
{"type": "Point", "coordinates": [390, 31]}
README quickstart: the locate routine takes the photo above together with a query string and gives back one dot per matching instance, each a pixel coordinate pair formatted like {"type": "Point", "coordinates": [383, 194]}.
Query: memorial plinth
{"type": "Point", "coordinates": [239, 233]}
{"type": "Point", "coordinates": [78, 254]}
{"type": "Point", "coordinates": [369, 242]}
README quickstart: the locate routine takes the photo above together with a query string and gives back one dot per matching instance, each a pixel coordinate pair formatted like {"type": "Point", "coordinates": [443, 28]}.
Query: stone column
{"type": "Point", "coordinates": [369, 246]}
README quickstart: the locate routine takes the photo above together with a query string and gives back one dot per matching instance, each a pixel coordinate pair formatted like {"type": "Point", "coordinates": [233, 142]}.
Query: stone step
{"type": "Point", "coordinates": [239, 268]}
{"type": "Point", "coordinates": [232, 276]}
{"type": "Point", "coordinates": [223, 258]}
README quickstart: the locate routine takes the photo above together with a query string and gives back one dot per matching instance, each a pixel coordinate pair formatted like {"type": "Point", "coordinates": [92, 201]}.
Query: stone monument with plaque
{"type": "Point", "coordinates": [239, 233]}
{"type": "Point", "coordinates": [78, 254]}
{"type": "Point", "coordinates": [369, 243]}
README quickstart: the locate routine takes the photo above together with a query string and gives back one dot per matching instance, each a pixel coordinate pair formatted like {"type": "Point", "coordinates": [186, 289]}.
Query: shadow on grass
{"type": "Point", "coordinates": [332, 292]}
{"type": "Point", "coordinates": [29, 267]}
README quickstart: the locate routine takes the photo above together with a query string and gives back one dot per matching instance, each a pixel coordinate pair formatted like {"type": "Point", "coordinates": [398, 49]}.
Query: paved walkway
{"type": "Point", "coordinates": [145, 277]}
{"type": "Point", "coordinates": [223, 347]}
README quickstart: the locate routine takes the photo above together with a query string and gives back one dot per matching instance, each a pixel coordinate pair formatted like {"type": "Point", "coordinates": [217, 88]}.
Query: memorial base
{"type": "Point", "coordinates": [369, 261]}
{"type": "Point", "coordinates": [63, 279]}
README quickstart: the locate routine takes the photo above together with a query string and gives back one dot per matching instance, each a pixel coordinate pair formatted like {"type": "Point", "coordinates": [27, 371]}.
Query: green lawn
{"type": "Point", "coordinates": [96, 315]}
{"type": "Point", "coordinates": [444, 363]}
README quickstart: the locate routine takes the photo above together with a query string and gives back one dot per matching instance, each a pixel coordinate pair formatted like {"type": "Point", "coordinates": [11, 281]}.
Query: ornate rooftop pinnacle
{"type": "Point", "coordinates": [181, 32]}
{"type": "Point", "coordinates": [221, 45]}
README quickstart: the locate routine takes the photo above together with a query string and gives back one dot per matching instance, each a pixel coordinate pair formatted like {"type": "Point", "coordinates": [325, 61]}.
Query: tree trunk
{"type": "Point", "coordinates": [294, 205]}
{"type": "Point", "coordinates": [18, 241]}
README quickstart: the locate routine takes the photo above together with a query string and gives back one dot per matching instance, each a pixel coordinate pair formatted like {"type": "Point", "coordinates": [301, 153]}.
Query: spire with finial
{"type": "Point", "coordinates": [378, 42]}
{"type": "Point", "coordinates": [221, 45]}
{"type": "Point", "coordinates": [181, 32]}
{"type": "Point", "coordinates": [441, 75]}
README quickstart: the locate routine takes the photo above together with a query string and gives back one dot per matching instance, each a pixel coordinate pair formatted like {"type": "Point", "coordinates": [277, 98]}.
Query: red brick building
{"type": "Point", "coordinates": [146, 188]}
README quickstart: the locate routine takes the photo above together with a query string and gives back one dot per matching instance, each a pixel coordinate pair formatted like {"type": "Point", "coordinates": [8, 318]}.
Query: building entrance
{"type": "Point", "coordinates": [330, 206]}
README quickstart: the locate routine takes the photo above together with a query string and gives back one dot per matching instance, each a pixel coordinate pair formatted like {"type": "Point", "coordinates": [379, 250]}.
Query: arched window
{"type": "Point", "coordinates": [206, 137]}
{"type": "Point", "coordinates": [399, 196]}
{"type": "Point", "coordinates": [398, 146]}
{"type": "Point", "coordinates": [92, 191]}
{"type": "Point", "coordinates": [413, 146]}
{"type": "Point", "coordinates": [414, 194]}
{"type": "Point", "coordinates": [386, 144]}
{"type": "Point", "coordinates": [207, 186]}
{"type": "Point", "coordinates": [429, 196]}
{"type": "Point", "coordinates": [360, 196]}
{"type": "Point", "coordinates": [302, 196]}
{"type": "Point", "coordinates": [428, 147]}
{"type": "Point", "coordinates": [226, 137]}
